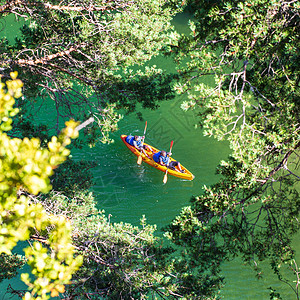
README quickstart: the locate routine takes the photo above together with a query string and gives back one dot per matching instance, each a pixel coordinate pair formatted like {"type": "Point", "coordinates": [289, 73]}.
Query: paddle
{"type": "Point", "coordinates": [166, 175]}
{"type": "Point", "coordinates": [139, 160]}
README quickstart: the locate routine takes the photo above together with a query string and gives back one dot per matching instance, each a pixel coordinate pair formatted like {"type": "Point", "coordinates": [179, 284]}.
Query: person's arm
{"type": "Point", "coordinates": [168, 160]}
{"type": "Point", "coordinates": [135, 144]}
{"type": "Point", "coordinates": [161, 161]}
{"type": "Point", "coordinates": [142, 141]}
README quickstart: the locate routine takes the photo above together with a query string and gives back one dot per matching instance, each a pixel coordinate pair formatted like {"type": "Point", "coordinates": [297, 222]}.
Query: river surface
{"type": "Point", "coordinates": [128, 191]}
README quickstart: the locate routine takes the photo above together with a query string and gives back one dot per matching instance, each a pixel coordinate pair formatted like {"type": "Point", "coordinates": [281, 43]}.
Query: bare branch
{"type": "Point", "coordinates": [47, 58]}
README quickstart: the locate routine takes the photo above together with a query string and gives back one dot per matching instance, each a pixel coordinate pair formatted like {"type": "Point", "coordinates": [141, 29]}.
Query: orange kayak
{"type": "Point", "coordinates": [149, 160]}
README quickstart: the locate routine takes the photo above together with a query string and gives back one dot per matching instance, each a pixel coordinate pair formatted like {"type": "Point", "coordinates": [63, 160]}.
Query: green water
{"type": "Point", "coordinates": [127, 191]}
{"type": "Point", "coordinates": [8, 27]}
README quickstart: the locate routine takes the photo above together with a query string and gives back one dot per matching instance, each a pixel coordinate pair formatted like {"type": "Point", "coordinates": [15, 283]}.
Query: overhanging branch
{"type": "Point", "coordinates": [10, 6]}
{"type": "Point", "coordinates": [48, 58]}
{"type": "Point", "coordinates": [281, 164]}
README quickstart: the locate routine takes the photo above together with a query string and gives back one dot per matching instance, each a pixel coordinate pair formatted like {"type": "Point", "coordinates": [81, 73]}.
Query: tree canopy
{"type": "Point", "coordinates": [76, 54]}
{"type": "Point", "coordinates": [250, 52]}
{"type": "Point", "coordinates": [25, 166]}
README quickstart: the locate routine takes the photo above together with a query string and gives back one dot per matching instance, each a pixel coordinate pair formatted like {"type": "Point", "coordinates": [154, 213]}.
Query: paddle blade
{"type": "Point", "coordinates": [139, 160]}
{"type": "Point", "coordinates": [165, 178]}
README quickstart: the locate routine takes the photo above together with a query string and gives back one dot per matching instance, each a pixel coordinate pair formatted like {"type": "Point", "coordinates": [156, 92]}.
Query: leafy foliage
{"type": "Point", "coordinates": [10, 264]}
{"type": "Point", "coordinates": [121, 261]}
{"type": "Point", "coordinates": [26, 166]}
{"type": "Point", "coordinates": [247, 53]}
{"type": "Point", "coordinates": [72, 176]}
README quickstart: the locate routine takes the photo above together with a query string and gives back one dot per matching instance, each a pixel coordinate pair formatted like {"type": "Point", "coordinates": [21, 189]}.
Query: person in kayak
{"type": "Point", "coordinates": [137, 142]}
{"type": "Point", "coordinates": [163, 158]}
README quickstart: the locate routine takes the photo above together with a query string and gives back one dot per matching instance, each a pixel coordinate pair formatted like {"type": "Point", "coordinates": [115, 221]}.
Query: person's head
{"type": "Point", "coordinates": [136, 137]}
{"type": "Point", "coordinates": [163, 153]}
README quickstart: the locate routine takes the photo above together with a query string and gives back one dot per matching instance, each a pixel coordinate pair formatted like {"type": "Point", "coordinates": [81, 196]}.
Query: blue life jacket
{"type": "Point", "coordinates": [129, 139]}
{"type": "Point", "coordinates": [138, 143]}
{"type": "Point", "coordinates": [157, 155]}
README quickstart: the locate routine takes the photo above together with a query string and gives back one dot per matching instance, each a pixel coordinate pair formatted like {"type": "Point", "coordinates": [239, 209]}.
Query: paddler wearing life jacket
{"type": "Point", "coordinates": [163, 158]}
{"type": "Point", "coordinates": [137, 142]}
{"type": "Point", "coordinates": [134, 140]}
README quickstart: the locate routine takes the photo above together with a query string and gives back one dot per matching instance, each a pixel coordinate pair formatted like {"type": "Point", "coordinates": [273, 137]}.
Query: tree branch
{"type": "Point", "coordinates": [281, 164]}
{"type": "Point", "coordinates": [11, 5]}
{"type": "Point", "coordinates": [90, 8]}
{"type": "Point", "coordinates": [47, 58]}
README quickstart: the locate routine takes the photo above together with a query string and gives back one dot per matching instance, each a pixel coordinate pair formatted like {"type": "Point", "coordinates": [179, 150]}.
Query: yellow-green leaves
{"type": "Point", "coordinates": [52, 270]}
{"type": "Point", "coordinates": [8, 94]}
{"type": "Point", "coordinates": [26, 166]}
